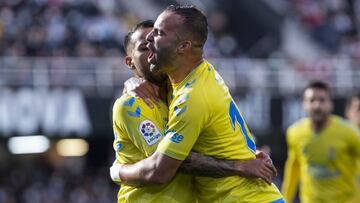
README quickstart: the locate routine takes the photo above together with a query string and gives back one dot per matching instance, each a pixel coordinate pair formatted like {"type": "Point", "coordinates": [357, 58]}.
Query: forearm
{"type": "Point", "coordinates": [155, 170]}
{"type": "Point", "coordinates": [200, 165]}
{"type": "Point", "coordinates": [138, 174]}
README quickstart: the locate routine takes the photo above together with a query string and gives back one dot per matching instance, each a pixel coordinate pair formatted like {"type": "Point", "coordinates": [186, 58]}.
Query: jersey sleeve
{"type": "Point", "coordinates": [124, 132]}
{"type": "Point", "coordinates": [292, 169]}
{"type": "Point", "coordinates": [187, 116]}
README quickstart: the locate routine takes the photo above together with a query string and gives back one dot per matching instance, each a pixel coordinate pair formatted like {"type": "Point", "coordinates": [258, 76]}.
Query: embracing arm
{"type": "Point", "coordinates": [155, 170]}
{"type": "Point", "coordinates": [200, 165]}
{"type": "Point", "coordinates": [160, 169]}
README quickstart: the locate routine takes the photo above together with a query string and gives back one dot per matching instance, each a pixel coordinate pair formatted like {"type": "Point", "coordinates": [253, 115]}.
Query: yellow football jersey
{"type": "Point", "coordinates": [204, 118]}
{"type": "Point", "coordinates": [138, 130]}
{"type": "Point", "coordinates": [325, 163]}
{"type": "Point", "coordinates": [356, 197]}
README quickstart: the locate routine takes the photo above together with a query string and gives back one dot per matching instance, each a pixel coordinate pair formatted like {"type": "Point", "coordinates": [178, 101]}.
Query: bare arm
{"type": "Point", "coordinates": [160, 169]}
{"type": "Point", "coordinates": [200, 165]}
{"type": "Point", "coordinates": [155, 170]}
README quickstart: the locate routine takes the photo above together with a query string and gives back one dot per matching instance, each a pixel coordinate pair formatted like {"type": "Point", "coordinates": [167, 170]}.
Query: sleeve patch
{"type": "Point", "coordinates": [149, 132]}
{"type": "Point", "coordinates": [175, 137]}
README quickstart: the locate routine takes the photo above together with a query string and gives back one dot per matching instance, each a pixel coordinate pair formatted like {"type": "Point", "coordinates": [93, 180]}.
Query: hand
{"type": "Point", "coordinates": [256, 168]}
{"type": "Point", "coordinates": [262, 155]}
{"type": "Point", "coordinates": [140, 88]}
{"type": "Point", "coordinates": [266, 157]}
{"type": "Point", "coordinates": [114, 173]}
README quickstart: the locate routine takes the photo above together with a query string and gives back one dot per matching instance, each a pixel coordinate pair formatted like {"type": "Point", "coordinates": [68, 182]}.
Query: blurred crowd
{"type": "Point", "coordinates": [78, 28]}
{"type": "Point", "coordinates": [44, 185]}
{"type": "Point", "coordinates": [334, 24]}
{"type": "Point", "coordinates": [62, 28]}
{"type": "Point", "coordinates": [96, 28]}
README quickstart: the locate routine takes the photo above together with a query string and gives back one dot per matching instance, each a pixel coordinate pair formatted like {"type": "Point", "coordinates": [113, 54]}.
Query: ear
{"type": "Point", "coordinates": [183, 46]}
{"type": "Point", "coordinates": [304, 104]}
{"type": "Point", "coordinates": [129, 63]}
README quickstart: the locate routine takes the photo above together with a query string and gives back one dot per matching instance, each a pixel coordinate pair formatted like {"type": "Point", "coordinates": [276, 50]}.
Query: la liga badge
{"type": "Point", "coordinates": [149, 132]}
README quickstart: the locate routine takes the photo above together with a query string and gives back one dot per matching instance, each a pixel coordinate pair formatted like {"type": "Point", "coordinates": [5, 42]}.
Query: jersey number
{"type": "Point", "coordinates": [235, 116]}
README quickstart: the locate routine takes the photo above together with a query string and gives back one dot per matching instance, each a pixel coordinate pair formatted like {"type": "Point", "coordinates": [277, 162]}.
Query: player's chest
{"type": "Point", "coordinates": [322, 148]}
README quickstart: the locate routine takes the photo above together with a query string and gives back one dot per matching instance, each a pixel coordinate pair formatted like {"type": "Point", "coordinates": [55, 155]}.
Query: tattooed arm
{"type": "Point", "coordinates": [200, 165]}
{"type": "Point", "coordinates": [159, 169]}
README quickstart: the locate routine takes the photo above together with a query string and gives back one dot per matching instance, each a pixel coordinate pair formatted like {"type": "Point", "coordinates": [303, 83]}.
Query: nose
{"type": "Point", "coordinates": [316, 104]}
{"type": "Point", "coordinates": [150, 36]}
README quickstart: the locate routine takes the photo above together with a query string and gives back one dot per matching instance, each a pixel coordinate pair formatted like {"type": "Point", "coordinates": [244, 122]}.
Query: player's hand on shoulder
{"type": "Point", "coordinates": [140, 88]}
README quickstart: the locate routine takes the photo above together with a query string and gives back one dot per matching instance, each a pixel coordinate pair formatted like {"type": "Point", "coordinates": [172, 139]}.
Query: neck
{"type": "Point", "coordinates": [180, 72]}
{"type": "Point", "coordinates": [318, 126]}
{"type": "Point", "coordinates": [163, 93]}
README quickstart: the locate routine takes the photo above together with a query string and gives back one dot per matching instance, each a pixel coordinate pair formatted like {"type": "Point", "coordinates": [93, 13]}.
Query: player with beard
{"type": "Point", "coordinates": [138, 129]}
{"type": "Point", "coordinates": [322, 150]}
{"type": "Point", "coordinates": [202, 115]}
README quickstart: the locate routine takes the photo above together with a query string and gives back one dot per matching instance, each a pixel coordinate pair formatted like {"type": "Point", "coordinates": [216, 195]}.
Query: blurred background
{"type": "Point", "coordinates": [61, 69]}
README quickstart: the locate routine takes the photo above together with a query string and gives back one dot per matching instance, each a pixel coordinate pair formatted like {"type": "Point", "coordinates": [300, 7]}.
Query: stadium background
{"type": "Point", "coordinates": [61, 69]}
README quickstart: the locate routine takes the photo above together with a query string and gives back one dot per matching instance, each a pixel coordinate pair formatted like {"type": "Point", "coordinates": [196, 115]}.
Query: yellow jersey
{"type": "Point", "coordinates": [356, 197]}
{"type": "Point", "coordinates": [325, 162]}
{"type": "Point", "coordinates": [204, 118]}
{"type": "Point", "coordinates": [138, 130]}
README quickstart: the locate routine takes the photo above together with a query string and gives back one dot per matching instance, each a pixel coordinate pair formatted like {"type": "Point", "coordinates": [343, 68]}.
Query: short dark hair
{"type": "Point", "coordinates": [351, 98]}
{"type": "Point", "coordinates": [318, 84]}
{"type": "Point", "coordinates": [143, 24]}
{"type": "Point", "coordinates": [194, 21]}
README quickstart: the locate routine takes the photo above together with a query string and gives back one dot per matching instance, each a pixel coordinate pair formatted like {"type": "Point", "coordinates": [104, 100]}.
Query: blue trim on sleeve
{"type": "Point", "coordinates": [278, 201]}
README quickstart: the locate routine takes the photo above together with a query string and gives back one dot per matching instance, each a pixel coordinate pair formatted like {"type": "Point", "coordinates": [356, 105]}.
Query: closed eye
{"type": "Point", "coordinates": [158, 32]}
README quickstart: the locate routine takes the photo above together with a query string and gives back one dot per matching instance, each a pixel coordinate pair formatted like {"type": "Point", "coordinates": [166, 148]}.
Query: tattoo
{"type": "Point", "coordinates": [200, 165]}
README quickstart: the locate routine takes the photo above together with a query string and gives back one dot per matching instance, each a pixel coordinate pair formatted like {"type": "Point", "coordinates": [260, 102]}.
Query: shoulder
{"type": "Point", "coordinates": [214, 86]}
{"type": "Point", "coordinates": [296, 130]}
{"type": "Point", "coordinates": [299, 125]}
{"type": "Point", "coordinates": [125, 102]}
{"type": "Point", "coordinates": [343, 125]}
{"type": "Point", "coordinates": [130, 107]}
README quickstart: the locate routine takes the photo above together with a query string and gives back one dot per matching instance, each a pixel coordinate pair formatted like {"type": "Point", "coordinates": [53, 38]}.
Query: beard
{"type": "Point", "coordinates": [156, 78]}
{"type": "Point", "coordinates": [319, 116]}
{"type": "Point", "coordinates": [164, 60]}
